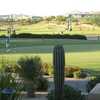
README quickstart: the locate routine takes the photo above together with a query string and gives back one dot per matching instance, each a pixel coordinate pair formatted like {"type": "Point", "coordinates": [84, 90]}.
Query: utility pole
{"type": "Point", "coordinates": [9, 32]}
{"type": "Point", "coordinates": [69, 21]}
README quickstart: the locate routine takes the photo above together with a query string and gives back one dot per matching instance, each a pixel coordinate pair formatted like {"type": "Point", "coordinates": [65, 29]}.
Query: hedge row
{"type": "Point", "coordinates": [47, 36]}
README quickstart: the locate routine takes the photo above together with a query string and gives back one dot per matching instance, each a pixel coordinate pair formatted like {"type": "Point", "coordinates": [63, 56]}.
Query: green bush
{"type": "Point", "coordinates": [69, 94]}
{"type": "Point", "coordinates": [42, 84]}
{"type": "Point", "coordinates": [48, 36]}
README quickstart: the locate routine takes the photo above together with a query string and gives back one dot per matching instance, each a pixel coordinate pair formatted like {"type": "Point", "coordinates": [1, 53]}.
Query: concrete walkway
{"type": "Point", "coordinates": [39, 96]}
{"type": "Point", "coordinates": [36, 98]}
{"type": "Point", "coordinates": [78, 84]}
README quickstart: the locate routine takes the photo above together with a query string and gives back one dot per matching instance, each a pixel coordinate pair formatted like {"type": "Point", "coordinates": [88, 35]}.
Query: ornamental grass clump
{"type": "Point", "coordinates": [29, 68]}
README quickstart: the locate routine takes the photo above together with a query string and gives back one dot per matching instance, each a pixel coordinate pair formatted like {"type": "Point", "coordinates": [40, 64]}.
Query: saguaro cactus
{"type": "Point", "coordinates": [59, 63]}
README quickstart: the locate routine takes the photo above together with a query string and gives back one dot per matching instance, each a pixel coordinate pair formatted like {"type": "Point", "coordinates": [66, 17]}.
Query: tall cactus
{"type": "Point", "coordinates": [59, 63]}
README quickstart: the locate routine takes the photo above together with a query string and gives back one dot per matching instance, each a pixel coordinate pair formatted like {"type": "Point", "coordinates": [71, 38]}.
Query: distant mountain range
{"type": "Point", "coordinates": [22, 16]}
{"type": "Point", "coordinates": [83, 13]}
{"type": "Point", "coordinates": [14, 17]}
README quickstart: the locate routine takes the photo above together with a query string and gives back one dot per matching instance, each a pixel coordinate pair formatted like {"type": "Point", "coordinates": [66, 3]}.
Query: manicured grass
{"type": "Point", "coordinates": [47, 42]}
{"type": "Point", "coordinates": [81, 53]}
{"type": "Point", "coordinates": [87, 60]}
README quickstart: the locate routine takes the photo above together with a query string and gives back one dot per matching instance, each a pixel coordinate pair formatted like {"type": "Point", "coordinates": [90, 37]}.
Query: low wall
{"type": "Point", "coordinates": [95, 93]}
{"type": "Point", "coordinates": [93, 37]}
{"type": "Point", "coordinates": [77, 84]}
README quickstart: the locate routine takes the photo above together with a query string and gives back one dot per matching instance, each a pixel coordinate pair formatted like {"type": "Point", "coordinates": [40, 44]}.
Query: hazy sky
{"type": "Point", "coordinates": [47, 7]}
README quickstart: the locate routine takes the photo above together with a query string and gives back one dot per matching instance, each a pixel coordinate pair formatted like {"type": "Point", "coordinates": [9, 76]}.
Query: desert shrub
{"type": "Point", "coordinates": [77, 74]}
{"type": "Point", "coordinates": [83, 74]}
{"type": "Point", "coordinates": [80, 74]}
{"type": "Point", "coordinates": [9, 83]}
{"type": "Point", "coordinates": [10, 68]}
{"type": "Point", "coordinates": [42, 84]}
{"type": "Point", "coordinates": [69, 71]}
{"type": "Point", "coordinates": [93, 82]}
{"type": "Point", "coordinates": [7, 66]}
{"type": "Point", "coordinates": [47, 69]}
{"type": "Point", "coordinates": [69, 94]}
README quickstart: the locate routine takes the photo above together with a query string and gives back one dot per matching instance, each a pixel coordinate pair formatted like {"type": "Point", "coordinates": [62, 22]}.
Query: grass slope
{"type": "Point", "coordinates": [53, 28]}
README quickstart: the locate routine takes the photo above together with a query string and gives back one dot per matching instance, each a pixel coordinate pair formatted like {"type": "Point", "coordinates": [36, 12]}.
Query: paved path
{"type": "Point", "coordinates": [39, 96]}
{"type": "Point", "coordinates": [36, 98]}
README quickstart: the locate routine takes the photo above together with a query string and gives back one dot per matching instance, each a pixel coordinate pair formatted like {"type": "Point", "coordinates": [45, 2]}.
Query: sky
{"type": "Point", "coordinates": [47, 7]}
